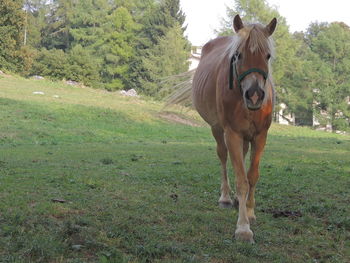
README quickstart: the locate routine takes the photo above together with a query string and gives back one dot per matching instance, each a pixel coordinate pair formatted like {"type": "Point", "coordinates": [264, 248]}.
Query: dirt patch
{"type": "Point", "coordinates": [3, 74]}
{"type": "Point", "coordinates": [177, 118]}
{"type": "Point", "coordinates": [60, 211]}
{"type": "Point", "coordinates": [7, 135]}
{"type": "Point", "coordinates": [282, 213]}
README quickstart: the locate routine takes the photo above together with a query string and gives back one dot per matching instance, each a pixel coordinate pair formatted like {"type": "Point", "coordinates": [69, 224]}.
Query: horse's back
{"type": "Point", "coordinates": [205, 78]}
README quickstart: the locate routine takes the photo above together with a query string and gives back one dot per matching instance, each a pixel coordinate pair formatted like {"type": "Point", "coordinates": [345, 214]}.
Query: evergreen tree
{"type": "Point", "coordinates": [119, 50]}
{"type": "Point", "coordinates": [87, 22]}
{"type": "Point", "coordinates": [160, 27]}
{"type": "Point", "coordinates": [53, 63]}
{"type": "Point", "coordinates": [172, 14]}
{"type": "Point", "coordinates": [167, 58]}
{"type": "Point", "coordinates": [36, 11]}
{"type": "Point", "coordinates": [57, 32]}
{"type": "Point", "coordinates": [12, 21]}
{"type": "Point", "coordinates": [83, 67]}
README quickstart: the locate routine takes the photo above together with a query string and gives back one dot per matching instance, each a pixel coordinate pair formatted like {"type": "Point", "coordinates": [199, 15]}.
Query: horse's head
{"type": "Point", "coordinates": [251, 61]}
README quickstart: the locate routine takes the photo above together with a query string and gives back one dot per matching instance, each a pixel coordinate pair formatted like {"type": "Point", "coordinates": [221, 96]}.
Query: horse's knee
{"type": "Point", "coordinates": [242, 188]}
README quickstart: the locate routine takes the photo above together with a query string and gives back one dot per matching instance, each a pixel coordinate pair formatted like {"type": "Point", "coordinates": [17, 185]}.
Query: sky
{"type": "Point", "coordinates": [203, 16]}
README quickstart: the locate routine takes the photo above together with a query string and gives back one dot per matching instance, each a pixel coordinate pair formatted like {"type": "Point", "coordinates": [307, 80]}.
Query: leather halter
{"type": "Point", "coordinates": [239, 78]}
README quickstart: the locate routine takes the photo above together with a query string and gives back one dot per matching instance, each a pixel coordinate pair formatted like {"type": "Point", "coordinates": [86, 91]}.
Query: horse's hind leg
{"type": "Point", "coordinates": [221, 149]}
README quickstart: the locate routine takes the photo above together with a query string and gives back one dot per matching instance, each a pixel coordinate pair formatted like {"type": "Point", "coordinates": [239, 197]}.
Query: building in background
{"type": "Point", "coordinates": [195, 57]}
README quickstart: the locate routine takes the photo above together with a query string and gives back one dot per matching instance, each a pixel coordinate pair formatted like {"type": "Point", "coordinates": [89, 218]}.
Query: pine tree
{"type": "Point", "coordinates": [167, 58]}
{"type": "Point", "coordinates": [163, 30]}
{"type": "Point", "coordinates": [87, 21]}
{"type": "Point", "coordinates": [12, 19]}
{"type": "Point", "coordinates": [36, 11]}
{"type": "Point", "coordinates": [57, 33]}
{"type": "Point", "coordinates": [172, 13]}
{"type": "Point", "coordinates": [118, 50]}
{"type": "Point", "coordinates": [83, 67]}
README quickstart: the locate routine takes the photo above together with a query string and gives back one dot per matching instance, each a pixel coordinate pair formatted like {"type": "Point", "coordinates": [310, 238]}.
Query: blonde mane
{"type": "Point", "coordinates": [253, 35]}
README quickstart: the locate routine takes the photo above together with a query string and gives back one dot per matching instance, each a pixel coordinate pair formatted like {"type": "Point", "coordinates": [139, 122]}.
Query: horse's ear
{"type": "Point", "coordinates": [237, 23]}
{"type": "Point", "coordinates": [270, 28]}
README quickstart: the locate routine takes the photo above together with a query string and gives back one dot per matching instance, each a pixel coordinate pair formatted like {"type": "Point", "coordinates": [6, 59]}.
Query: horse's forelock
{"type": "Point", "coordinates": [255, 37]}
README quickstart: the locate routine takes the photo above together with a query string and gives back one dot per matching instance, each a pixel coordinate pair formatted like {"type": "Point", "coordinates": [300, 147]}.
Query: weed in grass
{"type": "Point", "coordinates": [107, 161]}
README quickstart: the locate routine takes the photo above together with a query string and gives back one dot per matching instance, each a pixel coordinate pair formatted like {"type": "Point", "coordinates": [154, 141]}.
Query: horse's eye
{"type": "Point", "coordinates": [268, 56]}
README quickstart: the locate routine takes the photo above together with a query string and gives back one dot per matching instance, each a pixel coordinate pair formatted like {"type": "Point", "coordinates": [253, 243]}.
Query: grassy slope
{"type": "Point", "coordinates": [140, 189]}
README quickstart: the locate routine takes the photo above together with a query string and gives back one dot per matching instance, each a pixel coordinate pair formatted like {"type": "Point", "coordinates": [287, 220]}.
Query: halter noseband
{"type": "Point", "coordinates": [233, 69]}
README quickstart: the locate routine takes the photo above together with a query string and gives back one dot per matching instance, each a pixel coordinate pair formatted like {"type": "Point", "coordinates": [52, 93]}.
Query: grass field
{"type": "Point", "coordinates": [91, 176]}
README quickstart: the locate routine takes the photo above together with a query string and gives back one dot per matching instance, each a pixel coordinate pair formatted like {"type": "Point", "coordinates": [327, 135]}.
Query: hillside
{"type": "Point", "coordinates": [92, 176]}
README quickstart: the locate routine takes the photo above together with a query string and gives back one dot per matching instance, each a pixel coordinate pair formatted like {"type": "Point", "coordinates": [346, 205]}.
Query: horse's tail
{"type": "Point", "coordinates": [181, 92]}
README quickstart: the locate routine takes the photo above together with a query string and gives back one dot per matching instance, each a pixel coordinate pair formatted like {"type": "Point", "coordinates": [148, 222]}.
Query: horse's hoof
{"type": "Point", "coordinates": [225, 204]}
{"type": "Point", "coordinates": [252, 219]}
{"type": "Point", "coordinates": [245, 235]}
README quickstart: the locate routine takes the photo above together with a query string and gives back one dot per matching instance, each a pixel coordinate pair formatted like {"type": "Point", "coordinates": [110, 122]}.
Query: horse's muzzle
{"type": "Point", "coordinates": [254, 97]}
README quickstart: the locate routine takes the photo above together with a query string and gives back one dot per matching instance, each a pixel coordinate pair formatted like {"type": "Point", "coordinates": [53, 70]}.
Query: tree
{"type": "Point", "coordinates": [36, 11]}
{"type": "Point", "coordinates": [83, 67]}
{"type": "Point", "coordinates": [119, 50]}
{"type": "Point", "coordinates": [12, 21]}
{"type": "Point", "coordinates": [52, 63]}
{"type": "Point", "coordinates": [57, 32]}
{"type": "Point", "coordinates": [168, 58]}
{"type": "Point", "coordinates": [87, 22]}
{"type": "Point", "coordinates": [172, 14]}
{"type": "Point", "coordinates": [330, 67]}
{"type": "Point", "coordinates": [162, 25]}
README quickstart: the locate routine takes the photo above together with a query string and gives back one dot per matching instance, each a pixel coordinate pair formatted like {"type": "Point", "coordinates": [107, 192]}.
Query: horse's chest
{"type": "Point", "coordinates": [251, 125]}
{"type": "Point", "coordinates": [250, 130]}
{"type": "Point", "coordinates": [245, 122]}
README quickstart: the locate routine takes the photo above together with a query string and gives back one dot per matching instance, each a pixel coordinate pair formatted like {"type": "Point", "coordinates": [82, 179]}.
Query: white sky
{"type": "Point", "coordinates": [203, 16]}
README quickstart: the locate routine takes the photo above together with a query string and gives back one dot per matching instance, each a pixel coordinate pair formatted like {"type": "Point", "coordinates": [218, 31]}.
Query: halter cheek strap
{"type": "Point", "coordinates": [232, 65]}
{"type": "Point", "coordinates": [233, 70]}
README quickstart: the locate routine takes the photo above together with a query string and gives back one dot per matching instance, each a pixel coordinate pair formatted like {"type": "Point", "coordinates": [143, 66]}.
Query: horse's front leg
{"type": "Point", "coordinates": [235, 145]}
{"type": "Point", "coordinates": [258, 145]}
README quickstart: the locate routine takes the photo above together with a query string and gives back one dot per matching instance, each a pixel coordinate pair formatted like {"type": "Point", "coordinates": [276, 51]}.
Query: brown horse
{"type": "Point", "coordinates": [233, 92]}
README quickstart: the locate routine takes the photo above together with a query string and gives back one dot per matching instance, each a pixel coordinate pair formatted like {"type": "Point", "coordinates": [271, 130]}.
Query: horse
{"type": "Point", "coordinates": [232, 90]}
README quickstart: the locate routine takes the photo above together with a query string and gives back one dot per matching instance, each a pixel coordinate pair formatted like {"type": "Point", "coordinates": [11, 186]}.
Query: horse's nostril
{"type": "Point", "coordinates": [254, 95]}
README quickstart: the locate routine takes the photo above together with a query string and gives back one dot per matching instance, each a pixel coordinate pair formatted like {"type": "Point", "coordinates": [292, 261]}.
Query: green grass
{"type": "Point", "coordinates": [138, 188]}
